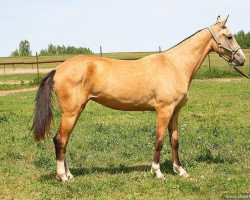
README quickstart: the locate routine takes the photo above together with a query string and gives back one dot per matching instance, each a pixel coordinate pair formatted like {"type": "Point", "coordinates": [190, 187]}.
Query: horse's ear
{"type": "Point", "coordinates": [225, 21]}
{"type": "Point", "coordinates": [218, 19]}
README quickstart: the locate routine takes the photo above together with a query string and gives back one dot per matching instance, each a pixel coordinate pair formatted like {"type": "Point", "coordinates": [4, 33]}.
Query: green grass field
{"type": "Point", "coordinates": [110, 151]}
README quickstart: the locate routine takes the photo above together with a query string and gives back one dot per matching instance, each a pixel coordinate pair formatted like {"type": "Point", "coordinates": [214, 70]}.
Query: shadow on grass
{"type": "Point", "coordinates": [166, 168]}
{"type": "Point", "coordinates": [207, 156]}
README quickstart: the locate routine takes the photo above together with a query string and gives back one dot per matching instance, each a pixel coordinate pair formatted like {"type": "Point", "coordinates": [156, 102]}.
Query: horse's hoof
{"type": "Point", "coordinates": [63, 178]}
{"type": "Point", "coordinates": [69, 176]}
{"type": "Point", "coordinates": [160, 176]}
{"type": "Point", "coordinates": [186, 175]}
{"type": "Point", "coordinates": [180, 171]}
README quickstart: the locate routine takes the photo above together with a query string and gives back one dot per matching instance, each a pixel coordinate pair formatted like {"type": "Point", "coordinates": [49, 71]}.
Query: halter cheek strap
{"type": "Point", "coordinates": [232, 51]}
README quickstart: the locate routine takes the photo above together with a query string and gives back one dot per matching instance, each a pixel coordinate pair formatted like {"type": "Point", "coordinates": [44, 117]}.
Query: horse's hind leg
{"type": "Point", "coordinates": [60, 140]}
{"type": "Point", "coordinates": [68, 121]}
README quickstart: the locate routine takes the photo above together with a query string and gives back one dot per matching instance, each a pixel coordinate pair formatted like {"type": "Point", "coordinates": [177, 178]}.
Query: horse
{"type": "Point", "coordinates": [158, 82]}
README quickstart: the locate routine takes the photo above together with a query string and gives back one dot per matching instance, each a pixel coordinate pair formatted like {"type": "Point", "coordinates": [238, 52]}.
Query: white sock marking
{"type": "Point", "coordinates": [156, 169]}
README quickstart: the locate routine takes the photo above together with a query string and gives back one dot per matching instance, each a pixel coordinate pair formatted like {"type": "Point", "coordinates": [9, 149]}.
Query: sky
{"type": "Point", "coordinates": [117, 26]}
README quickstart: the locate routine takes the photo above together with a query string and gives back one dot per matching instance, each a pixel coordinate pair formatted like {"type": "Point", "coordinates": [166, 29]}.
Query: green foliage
{"type": "Point", "coordinates": [36, 80]}
{"type": "Point", "coordinates": [243, 39]}
{"type": "Point", "coordinates": [15, 53]}
{"type": "Point", "coordinates": [24, 49]}
{"type": "Point", "coordinates": [63, 50]}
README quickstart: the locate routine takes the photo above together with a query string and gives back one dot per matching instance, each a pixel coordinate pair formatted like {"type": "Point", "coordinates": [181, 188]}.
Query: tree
{"type": "Point", "coordinates": [15, 53]}
{"type": "Point", "coordinates": [24, 48]}
{"type": "Point", "coordinates": [52, 49]}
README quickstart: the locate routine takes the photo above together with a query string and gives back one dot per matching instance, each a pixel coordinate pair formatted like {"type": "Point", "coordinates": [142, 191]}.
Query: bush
{"type": "Point", "coordinates": [215, 73]}
{"type": "Point", "coordinates": [36, 80]}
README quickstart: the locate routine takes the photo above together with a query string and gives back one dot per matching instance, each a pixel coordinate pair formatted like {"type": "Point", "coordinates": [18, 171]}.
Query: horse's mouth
{"type": "Point", "coordinates": [237, 63]}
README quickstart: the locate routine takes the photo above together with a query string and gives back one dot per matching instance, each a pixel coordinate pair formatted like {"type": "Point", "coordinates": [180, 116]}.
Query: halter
{"type": "Point", "coordinates": [232, 51]}
{"type": "Point", "coordinates": [221, 46]}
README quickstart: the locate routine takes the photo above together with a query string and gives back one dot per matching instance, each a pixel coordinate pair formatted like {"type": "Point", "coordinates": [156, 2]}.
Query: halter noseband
{"type": "Point", "coordinates": [221, 46]}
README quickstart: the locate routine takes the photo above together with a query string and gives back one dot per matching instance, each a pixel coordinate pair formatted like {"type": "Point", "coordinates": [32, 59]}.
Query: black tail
{"type": "Point", "coordinates": [43, 110]}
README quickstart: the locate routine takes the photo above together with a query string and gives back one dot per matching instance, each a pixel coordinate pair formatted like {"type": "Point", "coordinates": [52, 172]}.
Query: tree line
{"type": "Point", "coordinates": [24, 50]}
{"type": "Point", "coordinates": [242, 38]}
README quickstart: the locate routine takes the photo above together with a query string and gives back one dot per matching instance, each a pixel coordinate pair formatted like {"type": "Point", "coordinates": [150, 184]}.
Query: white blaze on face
{"type": "Point", "coordinates": [242, 54]}
{"type": "Point", "coordinates": [240, 57]}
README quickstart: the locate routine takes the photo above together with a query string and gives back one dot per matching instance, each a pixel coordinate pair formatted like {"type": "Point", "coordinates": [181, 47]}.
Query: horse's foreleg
{"type": "Point", "coordinates": [174, 142]}
{"type": "Point", "coordinates": [163, 117]}
{"type": "Point", "coordinates": [60, 140]}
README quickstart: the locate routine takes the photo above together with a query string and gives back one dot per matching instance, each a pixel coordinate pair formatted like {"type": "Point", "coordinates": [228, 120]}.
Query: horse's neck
{"type": "Point", "coordinates": [188, 56]}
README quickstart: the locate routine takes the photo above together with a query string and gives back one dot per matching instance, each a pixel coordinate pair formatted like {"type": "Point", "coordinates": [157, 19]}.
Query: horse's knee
{"type": "Point", "coordinates": [174, 143]}
{"type": "Point", "coordinates": [159, 144]}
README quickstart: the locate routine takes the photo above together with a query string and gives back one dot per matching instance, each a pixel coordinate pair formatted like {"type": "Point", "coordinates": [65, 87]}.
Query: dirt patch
{"type": "Point", "coordinates": [223, 80]}
{"type": "Point", "coordinates": [227, 80]}
{"type": "Point", "coordinates": [24, 71]}
{"type": "Point", "coordinates": [4, 93]}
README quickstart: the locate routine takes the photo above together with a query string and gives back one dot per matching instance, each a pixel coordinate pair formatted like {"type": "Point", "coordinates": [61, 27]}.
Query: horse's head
{"type": "Point", "coordinates": [225, 44]}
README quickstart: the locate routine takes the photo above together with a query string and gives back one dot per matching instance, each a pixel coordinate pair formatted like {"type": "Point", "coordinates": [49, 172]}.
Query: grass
{"type": "Point", "coordinates": [110, 151]}
{"type": "Point", "coordinates": [21, 81]}
{"type": "Point", "coordinates": [6, 87]}
{"type": "Point", "coordinates": [18, 77]}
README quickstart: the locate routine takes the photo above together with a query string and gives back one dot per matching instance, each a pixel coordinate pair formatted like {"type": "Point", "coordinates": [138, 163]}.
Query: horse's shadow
{"type": "Point", "coordinates": [166, 167]}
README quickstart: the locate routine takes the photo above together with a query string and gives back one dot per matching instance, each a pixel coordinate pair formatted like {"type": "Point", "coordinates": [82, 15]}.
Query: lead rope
{"type": "Point", "coordinates": [240, 72]}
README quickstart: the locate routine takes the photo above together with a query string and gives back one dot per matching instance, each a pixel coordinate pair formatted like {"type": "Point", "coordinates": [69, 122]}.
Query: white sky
{"type": "Point", "coordinates": [128, 25]}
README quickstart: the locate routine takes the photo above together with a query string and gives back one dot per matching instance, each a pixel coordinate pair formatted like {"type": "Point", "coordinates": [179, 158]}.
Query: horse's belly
{"type": "Point", "coordinates": [125, 104]}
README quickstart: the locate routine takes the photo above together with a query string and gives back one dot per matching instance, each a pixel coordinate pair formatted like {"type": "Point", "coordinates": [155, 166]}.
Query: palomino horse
{"type": "Point", "coordinates": [157, 82]}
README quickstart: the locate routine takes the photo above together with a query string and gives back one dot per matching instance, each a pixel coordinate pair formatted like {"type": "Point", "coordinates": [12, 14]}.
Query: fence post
{"type": "Point", "coordinates": [160, 49]}
{"type": "Point", "coordinates": [101, 51]}
{"type": "Point", "coordinates": [209, 64]}
{"type": "Point", "coordinates": [37, 68]}
{"type": "Point", "coordinates": [4, 70]}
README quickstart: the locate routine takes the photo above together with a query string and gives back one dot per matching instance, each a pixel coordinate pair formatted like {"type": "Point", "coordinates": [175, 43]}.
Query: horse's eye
{"type": "Point", "coordinates": [230, 37]}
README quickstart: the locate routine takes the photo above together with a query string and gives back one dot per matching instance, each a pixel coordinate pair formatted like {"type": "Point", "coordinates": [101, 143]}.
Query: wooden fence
{"type": "Point", "coordinates": [37, 62]}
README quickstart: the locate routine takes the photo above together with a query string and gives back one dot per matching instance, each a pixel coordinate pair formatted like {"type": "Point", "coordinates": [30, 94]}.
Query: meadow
{"type": "Point", "coordinates": [110, 152]}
